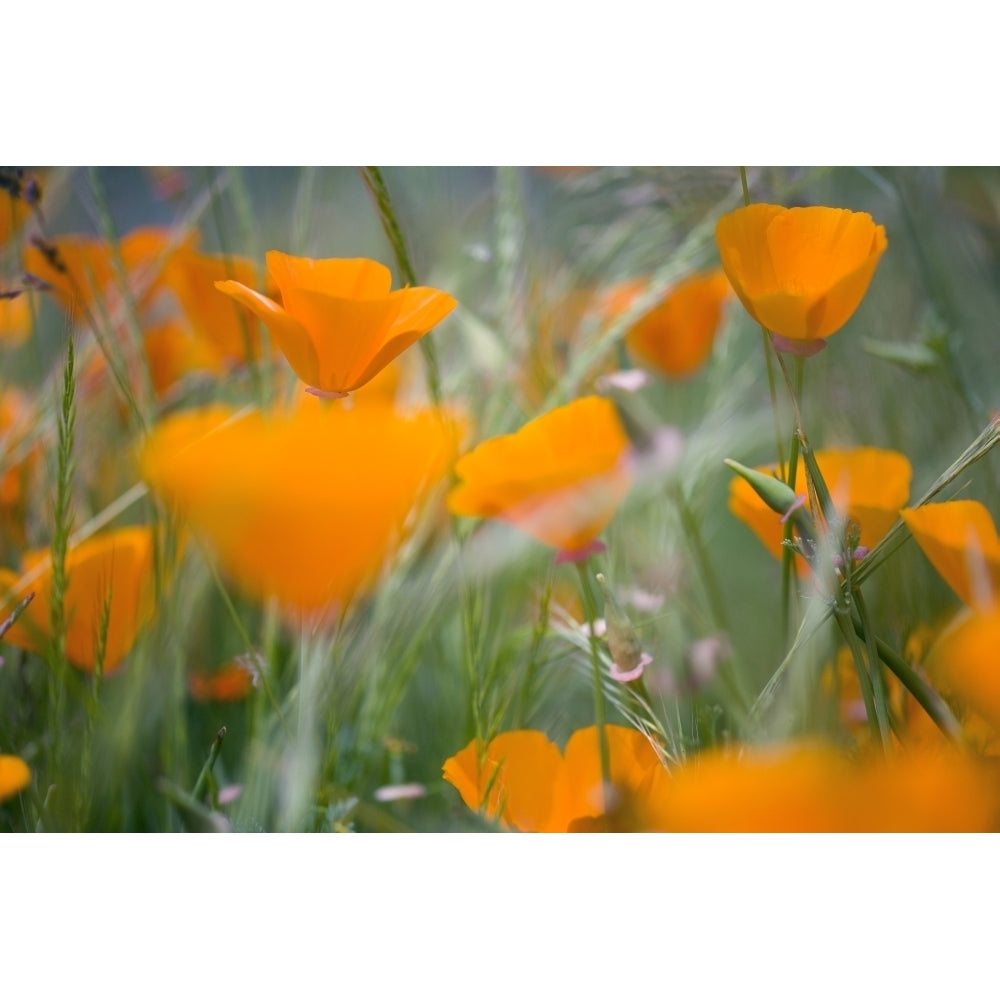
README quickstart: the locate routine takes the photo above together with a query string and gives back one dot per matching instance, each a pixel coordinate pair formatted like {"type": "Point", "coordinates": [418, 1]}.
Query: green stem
{"type": "Point", "coordinates": [928, 699]}
{"type": "Point", "coordinates": [375, 183]}
{"type": "Point", "coordinates": [590, 613]}
{"type": "Point", "coordinates": [213, 756]}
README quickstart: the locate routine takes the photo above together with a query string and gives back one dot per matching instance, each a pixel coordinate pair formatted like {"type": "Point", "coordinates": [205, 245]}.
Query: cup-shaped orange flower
{"type": "Point", "coordinates": [675, 337]}
{"type": "Point", "coordinates": [522, 779]}
{"type": "Point", "coordinates": [960, 540]}
{"type": "Point", "coordinates": [338, 322]}
{"type": "Point", "coordinates": [559, 478]}
{"type": "Point", "coordinates": [115, 567]}
{"type": "Point", "coordinates": [800, 272]}
{"type": "Point", "coordinates": [868, 485]}
{"type": "Point", "coordinates": [15, 776]}
{"type": "Point", "coordinates": [306, 506]}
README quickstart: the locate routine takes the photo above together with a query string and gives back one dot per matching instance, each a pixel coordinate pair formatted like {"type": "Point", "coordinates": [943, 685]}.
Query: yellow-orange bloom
{"type": "Point", "coordinates": [960, 540]}
{"type": "Point", "coordinates": [115, 567]}
{"type": "Point", "coordinates": [676, 336]}
{"type": "Point", "coordinates": [559, 478]}
{"type": "Point", "coordinates": [868, 485]}
{"type": "Point", "coordinates": [800, 272]}
{"type": "Point", "coordinates": [15, 776]}
{"type": "Point", "coordinates": [522, 780]}
{"type": "Point", "coordinates": [338, 323]}
{"type": "Point", "coordinates": [306, 506]}
{"type": "Point", "coordinates": [815, 788]}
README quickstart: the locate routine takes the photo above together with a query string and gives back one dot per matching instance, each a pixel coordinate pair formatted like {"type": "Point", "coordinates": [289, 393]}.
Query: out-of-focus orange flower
{"type": "Point", "coordinates": [15, 320]}
{"type": "Point", "coordinates": [960, 540]}
{"type": "Point", "coordinates": [231, 682]}
{"type": "Point", "coordinates": [559, 478]}
{"type": "Point", "coordinates": [223, 327]}
{"type": "Point", "coordinates": [172, 352]}
{"type": "Point", "coordinates": [116, 566]}
{"type": "Point", "coordinates": [868, 485]}
{"type": "Point", "coordinates": [81, 271]}
{"type": "Point", "coordinates": [800, 272]}
{"type": "Point", "coordinates": [15, 776]}
{"type": "Point", "coordinates": [306, 506]}
{"type": "Point", "coordinates": [16, 204]}
{"type": "Point", "coordinates": [676, 336]}
{"type": "Point", "coordinates": [338, 323]}
{"type": "Point", "coordinates": [840, 680]}
{"type": "Point", "coordinates": [18, 464]}
{"type": "Point", "coordinates": [14, 414]}
{"type": "Point", "coordinates": [521, 779]}
{"type": "Point", "coordinates": [816, 788]}
{"type": "Point", "coordinates": [965, 664]}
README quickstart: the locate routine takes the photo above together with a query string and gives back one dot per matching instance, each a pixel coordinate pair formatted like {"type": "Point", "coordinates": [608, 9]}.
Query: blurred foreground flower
{"type": "Point", "coordinates": [816, 788]}
{"type": "Point", "coordinates": [338, 323]}
{"type": "Point", "coordinates": [15, 776]}
{"type": "Point", "coordinates": [306, 506]}
{"type": "Point", "coordinates": [960, 540]}
{"type": "Point", "coordinates": [559, 478]}
{"type": "Point", "coordinates": [115, 567]}
{"type": "Point", "coordinates": [675, 337]}
{"type": "Point", "coordinates": [800, 272]}
{"type": "Point", "coordinates": [867, 485]}
{"type": "Point", "coordinates": [522, 780]}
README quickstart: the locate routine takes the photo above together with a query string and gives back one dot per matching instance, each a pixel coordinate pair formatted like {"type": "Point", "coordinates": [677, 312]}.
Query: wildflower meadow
{"type": "Point", "coordinates": [552, 499]}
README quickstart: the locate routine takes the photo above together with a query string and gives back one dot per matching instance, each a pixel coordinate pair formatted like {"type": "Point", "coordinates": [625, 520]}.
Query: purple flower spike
{"type": "Point", "coordinates": [624, 676]}
{"type": "Point", "coordinates": [803, 348]}
{"type": "Point", "coordinates": [579, 555]}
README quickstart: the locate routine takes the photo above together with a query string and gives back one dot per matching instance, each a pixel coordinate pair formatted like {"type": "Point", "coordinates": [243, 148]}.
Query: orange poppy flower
{"type": "Point", "coordinates": [338, 323]}
{"type": "Point", "coordinates": [523, 780]}
{"type": "Point", "coordinates": [800, 272]}
{"type": "Point", "coordinates": [15, 776]}
{"type": "Point", "coordinates": [307, 505]}
{"type": "Point", "coordinates": [559, 478]}
{"type": "Point", "coordinates": [816, 788]}
{"type": "Point", "coordinates": [676, 336]}
{"type": "Point", "coordinates": [83, 269]}
{"type": "Point", "coordinates": [15, 320]}
{"type": "Point", "coordinates": [869, 485]}
{"type": "Point", "coordinates": [960, 540]}
{"type": "Point", "coordinates": [116, 565]}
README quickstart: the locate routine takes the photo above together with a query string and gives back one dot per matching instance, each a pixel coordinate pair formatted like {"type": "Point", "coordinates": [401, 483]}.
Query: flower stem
{"type": "Point", "coordinates": [590, 612]}
{"type": "Point", "coordinates": [372, 177]}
